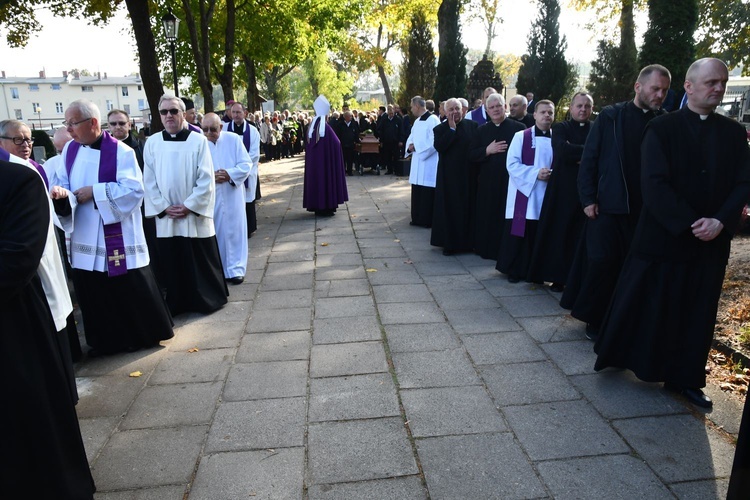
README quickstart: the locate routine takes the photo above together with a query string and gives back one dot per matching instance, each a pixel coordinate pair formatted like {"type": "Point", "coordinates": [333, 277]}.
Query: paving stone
{"type": "Point", "coordinates": [307, 254]}
{"type": "Point", "coordinates": [564, 429]}
{"type": "Point", "coordinates": [158, 493]}
{"type": "Point", "coordinates": [233, 311]}
{"type": "Point", "coordinates": [353, 397]}
{"type": "Point", "coordinates": [342, 307]}
{"type": "Point", "coordinates": [428, 337]}
{"type": "Point", "coordinates": [204, 365]}
{"type": "Point", "coordinates": [256, 265]}
{"type": "Point", "coordinates": [107, 396]}
{"type": "Point", "coordinates": [289, 268]}
{"type": "Point", "coordinates": [292, 246]}
{"type": "Point", "coordinates": [173, 405]}
{"type": "Point", "coordinates": [383, 252]}
{"type": "Point", "coordinates": [262, 424]}
{"type": "Point", "coordinates": [279, 321]}
{"type": "Point", "coordinates": [410, 313]}
{"type": "Point", "coordinates": [336, 249]}
{"type": "Point", "coordinates": [619, 394]}
{"type": "Point", "coordinates": [727, 410]}
{"type": "Point", "coordinates": [401, 488]}
{"type": "Point", "coordinates": [451, 410]}
{"type": "Point", "coordinates": [499, 287]}
{"type": "Point", "coordinates": [341, 273]}
{"type": "Point", "coordinates": [280, 379]}
{"type": "Point", "coordinates": [333, 360]}
{"type": "Point", "coordinates": [149, 457]}
{"type": "Point", "coordinates": [483, 270]}
{"type": "Point", "coordinates": [359, 450]}
{"type": "Point", "coordinates": [389, 263]}
{"type": "Point", "coordinates": [207, 336]}
{"type": "Point", "coordinates": [243, 293]}
{"type": "Point", "coordinates": [422, 252]}
{"type": "Point", "coordinates": [401, 293]}
{"type": "Point", "coordinates": [615, 476]}
{"type": "Point", "coordinates": [342, 288]}
{"type": "Point", "coordinates": [449, 368]}
{"type": "Point", "coordinates": [481, 321]}
{"type": "Point", "coordinates": [144, 360]}
{"type": "Point", "coordinates": [340, 259]}
{"type": "Point", "coordinates": [527, 383]}
{"type": "Point", "coordinates": [487, 466]}
{"type": "Point", "coordinates": [678, 447]}
{"type": "Point", "coordinates": [534, 305]}
{"type": "Point", "coordinates": [254, 474]}
{"type": "Point", "coordinates": [95, 433]}
{"type": "Point", "coordinates": [554, 328]}
{"type": "Point", "coordinates": [464, 299]}
{"type": "Point", "coordinates": [298, 282]}
{"type": "Point", "coordinates": [338, 330]}
{"type": "Point", "coordinates": [278, 346]}
{"type": "Point", "coordinates": [573, 358]}
{"type": "Point", "coordinates": [285, 299]}
{"type": "Point", "coordinates": [403, 277]}
{"type": "Point", "coordinates": [507, 347]}
{"type": "Point", "coordinates": [446, 268]}
{"type": "Point", "coordinates": [377, 237]}
{"type": "Point", "coordinates": [701, 490]}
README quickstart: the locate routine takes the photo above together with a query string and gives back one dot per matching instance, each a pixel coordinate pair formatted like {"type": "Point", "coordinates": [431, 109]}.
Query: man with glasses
{"type": "Point", "coordinates": [232, 166]}
{"type": "Point", "coordinates": [15, 139]}
{"type": "Point", "coordinates": [98, 199]}
{"type": "Point", "coordinates": [180, 192]}
{"type": "Point", "coordinates": [120, 128]}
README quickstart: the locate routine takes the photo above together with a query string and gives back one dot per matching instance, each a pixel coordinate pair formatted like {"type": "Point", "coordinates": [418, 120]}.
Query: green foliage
{"type": "Point", "coordinates": [507, 66]}
{"type": "Point", "coordinates": [610, 80]}
{"type": "Point", "coordinates": [669, 37]}
{"type": "Point", "coordinates": [724, 32]}
{"type": "Point", "coordinates": [544, 70]}
{"type": "Point", "coordinates": [418, 71]}
{"type": "Point", "coordinates": [324, 79]}
{"type": "Point", "coordinates": [451, 67]}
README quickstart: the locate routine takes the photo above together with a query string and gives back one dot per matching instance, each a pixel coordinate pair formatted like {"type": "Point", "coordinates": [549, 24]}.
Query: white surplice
{"type": "Point", "coordinates": [424, 159]}
{"type": "Point", "coordinates": [523, 178]}
{"type": "Point", "coordinates": [254, 152]}
{"type": "Point", "coordinates": [229, 211]}
{"type": "Point", "coordinates": [180, 173]}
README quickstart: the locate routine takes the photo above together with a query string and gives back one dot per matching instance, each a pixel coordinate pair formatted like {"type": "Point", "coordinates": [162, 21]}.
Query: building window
{"type": "Point", "coordinates": [110, 106]}
{"type": "Point", "coordinates": [33, 87]}
{"type": "Point", "coordinates": [58, 107]}
{"type": "Point", "coordinates": [19, 114]}
{"type": "Point", "coordinates": [14, 92]}
{"type": "Point", "coordinates": [34, 107]}
{"type": "Point", "coordinates": [55, 86]}
{"type": "Point", "coordinates": [124, 91]}
{"type": "Point", "coordinates": [140, 87]}
{"type": "Point", "coordinates": [126, 108]}
{"type": "Point", "coordinates": [87, 88]}
{"type": "Point", "coordinates": [141, 104]}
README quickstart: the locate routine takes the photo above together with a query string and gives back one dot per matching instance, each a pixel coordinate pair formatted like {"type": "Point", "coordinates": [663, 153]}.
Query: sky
{"type": "Point", "coordinates": [108, 49]}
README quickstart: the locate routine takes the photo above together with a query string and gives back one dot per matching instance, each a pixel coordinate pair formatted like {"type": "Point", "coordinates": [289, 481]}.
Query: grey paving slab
{"type": "Point", "coordinates": [679, 447]}
{"type": "Point", "coordinates": [279, 379]}
{"type": "Point", "coordinates": [359, 450]}
{"type": "Point", "coordinates": [289, 319]}
{"type": "Point", "coordinates": [173, 405]}
{"type": "Point", "coordinates": [482, 269]}
{"type": "Point", "coordinates": [292, 256]}
{"type": "Point", "coordinates": [446, 268]}
{"type": "Point", "coordinates": [243, 293]}
{"type": "Point", "coordinates": [342, 307]}
{"type": "Point", "coordinates": [292, 246]}
{"type": "Point", "coordinates": [532, 305]}
{"type": "Point", "coordinates": [399, 488]}
{"type": "Point", "coordinates": [300, 281]}
{"type": "Point", "coordinates": [573, 358]}
{"type": "Point", "coordinates": [499, 287]}
{"type": "Point", "coordinates": [451, 410]}
{"type": "Point", "coordinates": [125, 363]}
{"type": "Point", "coordinates": [353, 397]}
{"type": "Point", "coordinates": [342, 288]}
{"type": "Point", "coordinates": [506, 347]}
{"type": "Point", "coordinates": [564, 429]}
{"type": "Point", "coordinates": [233, 311]}
{"type": "Point", "coordinates": [618, 394]}
{"type": "Point", "coordinates": [425, 337]}
{"type": "Point", "coordinates": [401, 293]}
{"type": "Point", "coordinates": [727, 410]}
{"type": "Point", "coordinates": [385, 277]}
{"type": "Point", "coordinates": [339, 259]}
{"type": "Point", "coordinates": [327, 232]}
{"type": "Point", "coordinates": [410, 313]}
{"type": "Point", "coordinates": [207, 336]}
{"type": "Point", "coordinates": [554, 328]}
{"type": "Point", "coordinates": [455, 282]}
{"type": "Point", "coordinates": [481, 321]}
{"type": "Point", "coordinates": [449, 299]}
{"type": "Point", "coordinates": [336, 248]}
{"type": "Point", "coordinates": [250, 474]}
{"type": "Point", "coordinates": [149, 457]}
{"type": "Point", "coordinates": [450, 368]}
{"type": "Point", "coordinates": [527, 383]}
{"type": "Point", "coordinates": [702, 490]}
{"type": "Point", "coordinates": [95, 433]}
{"type": "Point", "coordinates": [158, 493]}
{"type": "Point", "coordinates": [615, 476]}
{"type": "Point", "coordinates": [278, 346]}
{"type": "Point", "coordinates": [107, 396]}
{"type": "Point", "coordinates": [260, 424]}
{"type": "Point", "coordinates": [383, 252]}
{"type": "Point", "coordinates": [289, 268]}
{"type": "Point", "coordinates": [487, 466]}
{"type": "Point", "coordinates": [256, 265]}
{"type": "Point", "coordinates": [390, 263]}
{"type": "Point", "coordinates": [203, 365]}
{"type": "Point", "coordinates": [332, 360]}
{"type": "Point", "coordinates": [283, 299]}
{"type": "Point", "coordinates": [341, 273]}
{"type": "Point", "coordinates": [352, 329]}
{"type": "Point", "coordinates": [422, 252]}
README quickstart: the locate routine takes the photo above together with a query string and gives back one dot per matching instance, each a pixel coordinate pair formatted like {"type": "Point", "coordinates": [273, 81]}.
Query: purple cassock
{"type": "Point", "coordinates": [325, 175]}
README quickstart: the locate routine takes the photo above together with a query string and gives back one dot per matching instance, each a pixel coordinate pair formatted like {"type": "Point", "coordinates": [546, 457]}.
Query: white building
{"type": "Point", "coordinates": [40, 102]}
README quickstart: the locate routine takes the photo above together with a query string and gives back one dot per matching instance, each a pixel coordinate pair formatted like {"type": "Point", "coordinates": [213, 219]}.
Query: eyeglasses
{"type": "Point", "coordinates": [117, 124]}
{"type": "Point", "coordinates": [68, 123]}
{"type": "Point", "coordinates": [173, 111]}
{"type": "Point", "coordinates": [19, 140]}
{"type": "Point", "coordinates": [211, 129]}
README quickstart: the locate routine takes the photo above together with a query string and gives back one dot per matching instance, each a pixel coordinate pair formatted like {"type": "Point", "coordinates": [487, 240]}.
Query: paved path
{"type": "Point", "coordinates": [356, 361]}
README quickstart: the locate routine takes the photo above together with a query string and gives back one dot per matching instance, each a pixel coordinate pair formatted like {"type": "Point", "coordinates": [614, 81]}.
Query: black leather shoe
{"type": "Point", "coordinates": [692, 394]}
{"type": "Point", "coordinates": [592, 332]}
{"type": "Point", "coordinates": [513, 279]}
{"type": "Point", "coordinates": [237, 280]}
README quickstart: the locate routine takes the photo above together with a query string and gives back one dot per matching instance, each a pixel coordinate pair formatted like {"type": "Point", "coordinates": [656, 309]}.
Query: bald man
{"type": "Point", "coordinates": [518, 109]}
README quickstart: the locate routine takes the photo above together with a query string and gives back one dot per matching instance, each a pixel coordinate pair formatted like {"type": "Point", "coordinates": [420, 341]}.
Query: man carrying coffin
{"type": "Point", "coordinates": [98, 200]}
{"type": "Point", "coordinates": [251, 139]}
{"type": "Point", "coordinates": [180, 192]}
{"type": "Point", "coordinates": [232, 166]}
{"type": "Point", "coordinates": [424, 159]}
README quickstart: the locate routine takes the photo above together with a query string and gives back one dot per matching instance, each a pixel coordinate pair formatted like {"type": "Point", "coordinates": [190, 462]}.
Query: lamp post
{"type": "Point", "coordinates": [171, 25]}
{"type": "Point", "coordinates": [39, 113]}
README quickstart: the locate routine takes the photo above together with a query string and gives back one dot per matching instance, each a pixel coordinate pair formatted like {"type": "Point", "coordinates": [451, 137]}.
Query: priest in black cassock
{"type": "Point", "coordinates": [695, 181]}
{"type": "Point", "coordinates": [489, 151]}
{"type": "Point", "coordinates": [561, 220]}
{"type": "Point", "coordinates": [452, 217]}
{"type": "Point", "coordinates": [42, 452]}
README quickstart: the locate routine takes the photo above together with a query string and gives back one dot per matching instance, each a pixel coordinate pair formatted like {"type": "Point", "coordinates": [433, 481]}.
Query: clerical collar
{"type": "Point", "coordinates": [238, 128]}
{"type": "Point", "coordinates": [540, 133]}
{"type": "Point", "coordinates": [425, 116]}
{"type": "Point", "coordinates": [180, 136]}
{"type": "Point", "coordinates": [97, 144]}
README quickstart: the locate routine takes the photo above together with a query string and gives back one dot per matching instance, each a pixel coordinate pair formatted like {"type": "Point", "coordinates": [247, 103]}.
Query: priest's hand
{"type": "Point", "coordinates": [58, 193]}
{"type": "Point", "coordinates": [177, 211]}
{"type": "Point", "coordinates": [544, 174]}
{"type": "Point", "coordinates": [591, 211]}
{"type": "Point", "coordinates": [706, 229]}
{"type": "Point", "coordinates": [221, 176]}
{"type": "Point", "coordinates": [496, 147]}
{"type": "Point", "coordinates": [84, 194]}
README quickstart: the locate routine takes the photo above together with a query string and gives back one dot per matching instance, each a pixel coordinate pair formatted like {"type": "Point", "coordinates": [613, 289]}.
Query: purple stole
{"type": "Point", "coordinates": [478, 116]}
{"type": "Point", "coordinates": [245, 141]}
{"type": "Point", "coordinates": [518, 226]}
{"type": "Point", "coordinates": [113, 240]}
{"type": "Point", "coordinates": [194, 128]}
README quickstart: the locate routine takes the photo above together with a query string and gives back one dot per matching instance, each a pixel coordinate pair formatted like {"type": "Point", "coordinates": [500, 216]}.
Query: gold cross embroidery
{"type": "Point", "coordinates": [116, 257]}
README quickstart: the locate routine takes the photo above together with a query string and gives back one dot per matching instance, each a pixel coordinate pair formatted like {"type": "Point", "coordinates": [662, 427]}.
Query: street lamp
{"type": "Point", "coordinates": [171, 25]}
{"type": "Point", "coordinates": [39, 112]}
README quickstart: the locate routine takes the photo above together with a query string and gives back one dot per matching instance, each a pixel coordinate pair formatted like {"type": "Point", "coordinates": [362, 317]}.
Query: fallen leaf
{"type": "Point", "coordinates": [371, 270]}
{"type": "Point", "coordinates": [273, 200]}
{"type": "Point", "coordinates": [135, 374]}
{"type": "Point", "coordinates": [324, 244]}
{"type": "Point", "coordinates": [408, 262]}
{"type": "Point", "coordinates": [193, 349]}
{"type": "Point", "coordinates": [397, 241]}
{"type": "Point", "coordinates": [726, 386]}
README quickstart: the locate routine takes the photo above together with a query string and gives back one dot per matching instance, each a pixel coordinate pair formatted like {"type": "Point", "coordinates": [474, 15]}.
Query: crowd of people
{"type": "Point", "coordinates": [630, 217]}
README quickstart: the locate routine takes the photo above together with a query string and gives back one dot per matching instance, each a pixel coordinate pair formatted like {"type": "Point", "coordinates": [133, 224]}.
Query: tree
{"type": "Point", "coordinates": [724, 32]}
{"type": "Point", "coordinates": [488, 13]}
{"type": "Point", "coordinates": [418, 71]}
{"type": "Point", "coordinates": [669, 37]}
{"type": "Point", "coordinates": [451, 67]}
{"type": "Point", "coordinates": [544, 70]}
{"type": "Point", "coordinates": [507, 66]}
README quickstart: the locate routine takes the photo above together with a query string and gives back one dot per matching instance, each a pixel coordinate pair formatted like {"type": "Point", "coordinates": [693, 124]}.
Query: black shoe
{"type": "Point", "coordinates": [557, 287]}
{"type": "Point", "coordinates": [592, 332]}
{"type": "Point", "coordinates": [692, 394]}
{"type": "Point", "coordinates": [513, 279]}
{"type": "Point", "coordinates": [237, 280]}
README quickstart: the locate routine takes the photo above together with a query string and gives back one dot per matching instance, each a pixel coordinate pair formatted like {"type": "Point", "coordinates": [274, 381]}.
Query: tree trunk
{"type": "Point", "coordinates": [386, 86]}
{"type": "Point", "coordinates": [147, 62]}
{"type": "Point", "coordinates": [253, 99]}
{"type": "Point", "coordinates": [200, 48]}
